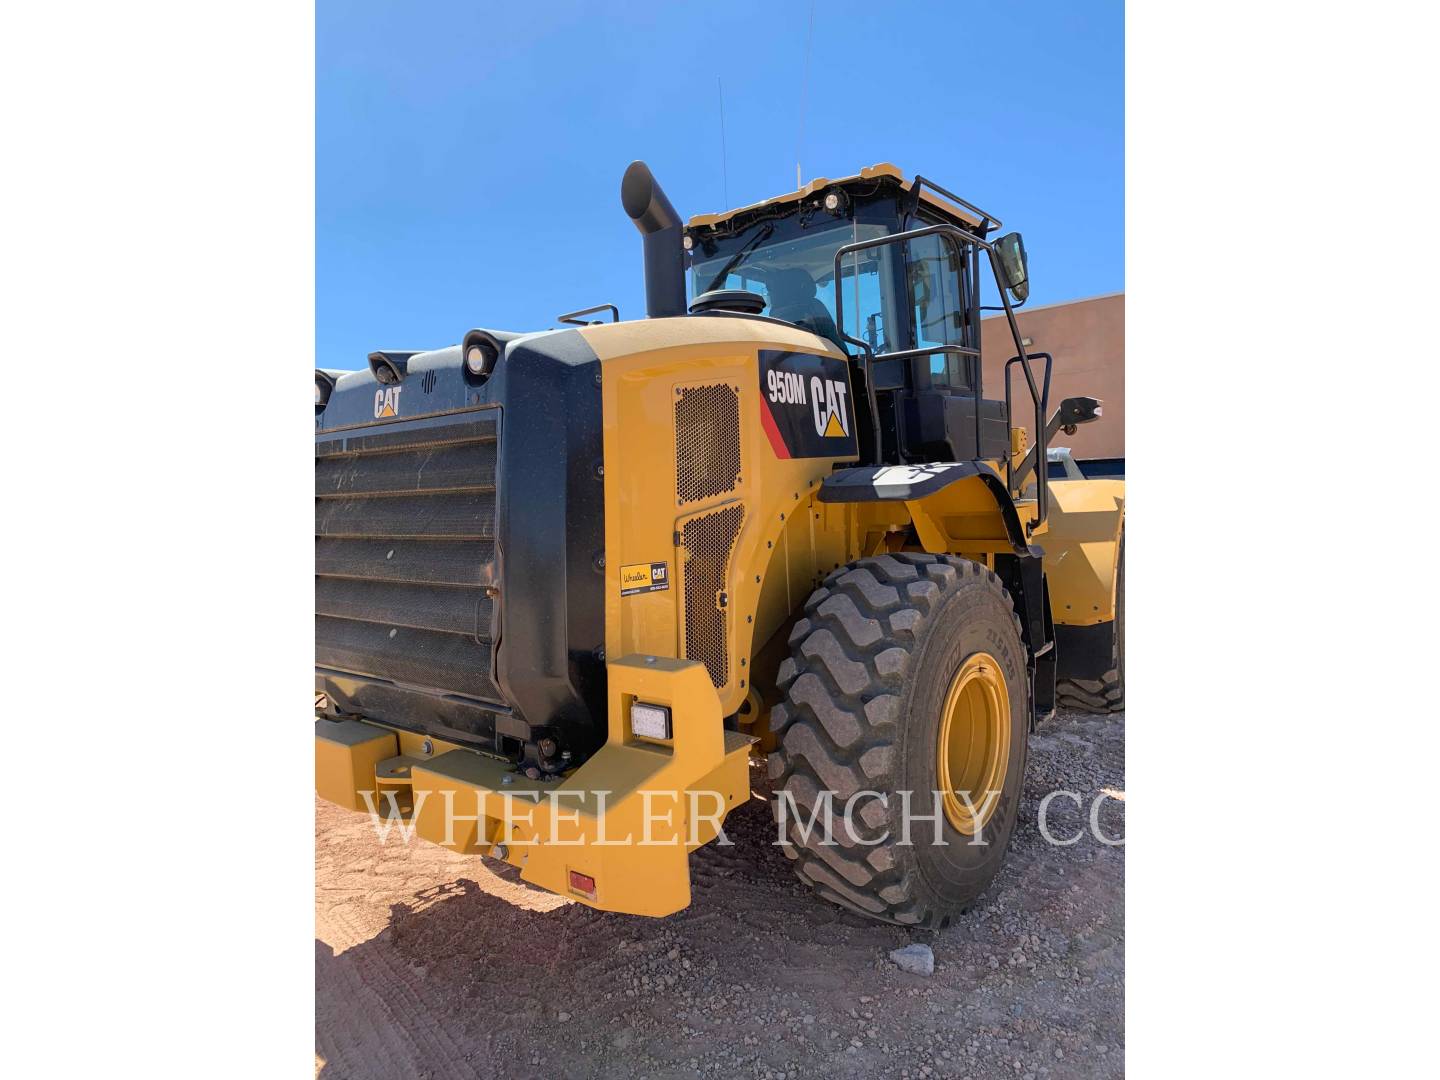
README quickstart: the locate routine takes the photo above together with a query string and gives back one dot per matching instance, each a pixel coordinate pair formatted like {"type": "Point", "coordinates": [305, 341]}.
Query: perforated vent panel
{"type": "Point", "coordinates": [708, 540]}
{"type": "Point", "coordinates": [707, 442]}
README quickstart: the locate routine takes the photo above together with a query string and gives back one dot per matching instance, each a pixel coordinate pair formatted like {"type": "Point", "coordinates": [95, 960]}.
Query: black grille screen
{"type": "Point", "coordinates": [707, 442]}
{"type": "Point", "coordinates": [707, 540]}
{"type": "Point", "coordinates": [405, 556]}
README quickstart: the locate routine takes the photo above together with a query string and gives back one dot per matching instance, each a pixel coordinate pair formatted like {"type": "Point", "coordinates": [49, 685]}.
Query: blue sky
{"type": "Point", "coordinates": [469, 155]}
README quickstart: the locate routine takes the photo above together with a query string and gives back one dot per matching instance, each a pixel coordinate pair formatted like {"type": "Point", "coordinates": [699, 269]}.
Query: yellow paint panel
{"type": "Point", "coordinates": [346, 753]}
{"type": "Point", "coordinates": [645, 367]}
{"type": "Point", "coordinates": [627, 818]}
{"type": "Point", "coordinates": [1081, 538]}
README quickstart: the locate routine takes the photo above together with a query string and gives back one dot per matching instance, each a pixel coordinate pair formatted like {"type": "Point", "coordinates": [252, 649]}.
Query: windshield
{"type": "Point", "coordinates": [796, 276]}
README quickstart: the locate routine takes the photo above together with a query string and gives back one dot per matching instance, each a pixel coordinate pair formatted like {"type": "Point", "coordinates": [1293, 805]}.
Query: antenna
{"type": "Point", "coordinates": [804, 90]}
{"type": "Point", "coordinates": [724, 163]}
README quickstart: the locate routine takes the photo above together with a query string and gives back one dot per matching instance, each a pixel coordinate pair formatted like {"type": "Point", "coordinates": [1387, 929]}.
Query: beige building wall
{"type": "Point", "coordinates": [1087, 339]}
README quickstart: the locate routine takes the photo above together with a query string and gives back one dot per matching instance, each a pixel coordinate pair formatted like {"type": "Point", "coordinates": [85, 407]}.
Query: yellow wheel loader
{"type": "Point", "coordinates": [570, 583]}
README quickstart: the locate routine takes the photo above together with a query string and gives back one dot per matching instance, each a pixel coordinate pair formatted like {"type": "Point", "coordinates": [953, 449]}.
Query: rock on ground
{"type": "Point", "coordinates": [917, 959]}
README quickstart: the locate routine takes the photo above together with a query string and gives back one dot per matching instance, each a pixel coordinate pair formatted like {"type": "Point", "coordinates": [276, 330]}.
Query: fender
{"type": "Point", "coordinates": [955, 507]}
{"type": "Point", "coordinates": [917, 486]}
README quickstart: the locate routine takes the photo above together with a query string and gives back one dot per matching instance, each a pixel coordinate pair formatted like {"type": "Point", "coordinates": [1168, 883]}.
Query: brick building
{"type": "Point", "coordinates": [1087, 339]}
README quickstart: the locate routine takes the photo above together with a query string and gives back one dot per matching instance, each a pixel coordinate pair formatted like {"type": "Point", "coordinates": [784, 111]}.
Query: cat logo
{"type": "Point", "coordinates": [827, 398]}
{"type": "Point", "coordinates": [805, 406]}
{"type": "Point", "coordinates": [387, 402]}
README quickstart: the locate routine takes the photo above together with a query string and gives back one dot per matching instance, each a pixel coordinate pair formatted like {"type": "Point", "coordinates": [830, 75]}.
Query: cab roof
{"type": "Point", "coordinates": [931, 197]}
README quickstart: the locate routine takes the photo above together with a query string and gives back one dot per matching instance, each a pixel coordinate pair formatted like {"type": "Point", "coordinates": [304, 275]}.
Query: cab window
{"type": "Point", "coordinates": [872, 307]}
{"type": "Point", "coordinates": [936, 312]}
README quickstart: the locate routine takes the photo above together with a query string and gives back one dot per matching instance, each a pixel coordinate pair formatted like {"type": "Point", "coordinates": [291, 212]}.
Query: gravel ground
{"type": "Point", "coordinates": [430, 964]}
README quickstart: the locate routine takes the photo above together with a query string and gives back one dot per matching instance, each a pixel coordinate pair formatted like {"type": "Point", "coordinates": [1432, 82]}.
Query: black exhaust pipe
{"type": "Point", "coordinates": [659, 224]}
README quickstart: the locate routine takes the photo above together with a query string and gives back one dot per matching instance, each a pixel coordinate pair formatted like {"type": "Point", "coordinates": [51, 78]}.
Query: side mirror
{"type": "Point", "coordinates": [1011, 250]}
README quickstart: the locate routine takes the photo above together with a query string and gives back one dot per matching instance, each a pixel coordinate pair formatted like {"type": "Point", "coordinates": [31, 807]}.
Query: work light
{"type": "Point", "coordinates": [650, 721]}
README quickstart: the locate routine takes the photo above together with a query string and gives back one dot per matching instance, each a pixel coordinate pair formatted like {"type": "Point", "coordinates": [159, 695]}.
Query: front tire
{"type": "Point", "coordinates": [906, 670]}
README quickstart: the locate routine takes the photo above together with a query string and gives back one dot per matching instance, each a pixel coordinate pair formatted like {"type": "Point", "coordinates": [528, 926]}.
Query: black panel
{"type": "Point", "coordinates": [457, 590]}
{"type": "Point", "coordinates": [1024, 577]}
{"type": "Point", "coordinates": [1085, 652]}
{"type": "Point", "coordinates": [942, 427]}
{"type": "Point", "coordinates": [550, 663]}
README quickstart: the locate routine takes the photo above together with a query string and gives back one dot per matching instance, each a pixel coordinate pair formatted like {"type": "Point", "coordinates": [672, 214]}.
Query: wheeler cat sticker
{"type": "Point", "coordinates": [644, 577]}
{"type": "Point", "coordinates": [806, 407]}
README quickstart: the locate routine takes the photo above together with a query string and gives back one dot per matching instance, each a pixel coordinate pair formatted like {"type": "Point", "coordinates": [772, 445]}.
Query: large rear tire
{"type": "Point", "coordinates": [907, 674]}
{"type": "Point", "coordinates": [1105, 694]}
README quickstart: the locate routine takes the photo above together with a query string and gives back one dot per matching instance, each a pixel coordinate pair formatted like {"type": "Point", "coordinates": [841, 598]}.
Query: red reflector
{"type": "Point", "coordinates": [582, 883]}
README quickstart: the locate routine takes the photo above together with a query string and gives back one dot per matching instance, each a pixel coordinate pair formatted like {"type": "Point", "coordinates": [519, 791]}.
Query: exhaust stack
{"type": "Point", "coordinates": [659, 224]}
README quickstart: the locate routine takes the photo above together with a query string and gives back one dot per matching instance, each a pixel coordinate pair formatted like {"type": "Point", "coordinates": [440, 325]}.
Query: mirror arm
{"type": "Point", "coordinates": [1064, 416]}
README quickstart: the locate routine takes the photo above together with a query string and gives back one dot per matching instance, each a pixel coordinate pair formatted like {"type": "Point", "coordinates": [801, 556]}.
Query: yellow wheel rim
{"type": "Point", "coordinates": [974, 744]}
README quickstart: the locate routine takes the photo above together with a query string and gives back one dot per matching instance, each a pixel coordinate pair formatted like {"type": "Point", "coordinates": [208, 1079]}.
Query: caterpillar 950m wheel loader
{"type": "Point", "coordinates": [569, 582]}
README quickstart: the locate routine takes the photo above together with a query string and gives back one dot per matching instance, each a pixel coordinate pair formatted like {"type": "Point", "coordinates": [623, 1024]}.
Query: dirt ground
{"type": "Point", "coordinates": [430, 964]}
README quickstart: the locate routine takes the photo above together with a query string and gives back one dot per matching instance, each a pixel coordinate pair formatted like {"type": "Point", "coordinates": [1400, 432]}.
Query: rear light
{"type": "Point", "coordinates": [583, 884]}
{"type": "Point", "coordinates": [650, 721]}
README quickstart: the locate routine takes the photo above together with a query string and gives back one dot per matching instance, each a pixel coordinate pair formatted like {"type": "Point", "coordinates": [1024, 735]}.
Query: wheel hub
{"type": "Point", "coordinates": [974, 744]}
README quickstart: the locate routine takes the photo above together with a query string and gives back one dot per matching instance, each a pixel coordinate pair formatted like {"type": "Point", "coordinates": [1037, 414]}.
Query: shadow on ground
{"type": "Point", "coordinates": [471, 972]}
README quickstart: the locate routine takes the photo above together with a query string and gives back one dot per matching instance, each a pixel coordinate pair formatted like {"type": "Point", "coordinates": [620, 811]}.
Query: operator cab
{"type": "Point", "coordinates": [919, 298]}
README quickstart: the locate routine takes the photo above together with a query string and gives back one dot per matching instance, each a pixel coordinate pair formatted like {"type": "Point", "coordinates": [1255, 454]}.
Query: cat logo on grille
{"type": "Point", "coordinates": [387, 402]}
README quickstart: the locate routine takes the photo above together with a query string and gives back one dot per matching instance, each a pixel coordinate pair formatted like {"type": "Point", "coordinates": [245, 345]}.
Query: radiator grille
{"type": "Point", "coordinates": [405, 556]}
{"type": "Point", "coordinates": [707, 442]}
{"type": "Point", "coordinates": [708, 540]}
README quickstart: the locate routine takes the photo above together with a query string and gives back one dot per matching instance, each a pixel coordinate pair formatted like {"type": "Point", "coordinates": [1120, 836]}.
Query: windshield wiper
{"type": "Point", "coordinates": [738, 257]}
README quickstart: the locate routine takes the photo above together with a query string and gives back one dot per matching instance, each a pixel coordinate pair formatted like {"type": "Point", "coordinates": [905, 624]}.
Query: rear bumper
{"type": "Point", "coordinates": [615, 834]}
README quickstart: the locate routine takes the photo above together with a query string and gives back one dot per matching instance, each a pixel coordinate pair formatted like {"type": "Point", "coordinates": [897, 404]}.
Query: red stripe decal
{"type": "Point", "coordinates": [777, 443]}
